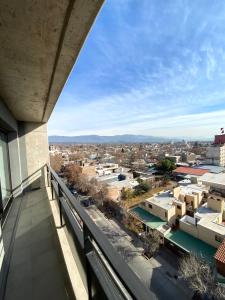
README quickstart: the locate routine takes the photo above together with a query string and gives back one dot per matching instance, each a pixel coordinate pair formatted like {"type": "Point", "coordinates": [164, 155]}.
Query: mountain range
{"type": "Point", "coordinates": [114, 139]}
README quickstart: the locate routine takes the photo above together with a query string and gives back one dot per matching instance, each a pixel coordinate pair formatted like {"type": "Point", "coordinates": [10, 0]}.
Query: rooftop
{"type": "Point", "coordinates": [220, 253]}
{"type": "Point", "coordinates": [192, 188]}
{"type": "Point", "coordinates": [163, 199]}
{"type": "Point", "coordinates": [214, 178]}
{"type": "Point", "coordinates": [127, 183]}
{"type": "Point", "coordinates": [190, 171]}
{"type": "Point", "coordinates": [190, 244]}
{"type": "Point", "coordinates": [212, 169]}
{"type": "Point", "coordinates": [147, 218]}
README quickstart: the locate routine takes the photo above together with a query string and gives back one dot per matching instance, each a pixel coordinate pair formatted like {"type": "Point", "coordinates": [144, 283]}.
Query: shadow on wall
{"type": "Point", "coordinates": [28, 152]}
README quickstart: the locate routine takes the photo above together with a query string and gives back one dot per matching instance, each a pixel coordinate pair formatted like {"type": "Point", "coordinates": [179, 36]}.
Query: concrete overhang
{"type": "Point", "coordinates": [40, 42]}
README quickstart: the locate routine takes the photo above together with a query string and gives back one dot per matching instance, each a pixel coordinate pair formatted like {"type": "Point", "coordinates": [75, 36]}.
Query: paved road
{"type": "Point", "coordinates": [156, 273]}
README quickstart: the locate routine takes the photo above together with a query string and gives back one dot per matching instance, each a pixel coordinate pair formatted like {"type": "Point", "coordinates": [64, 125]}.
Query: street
{"type": "Point", "coordinates": [156, 273]}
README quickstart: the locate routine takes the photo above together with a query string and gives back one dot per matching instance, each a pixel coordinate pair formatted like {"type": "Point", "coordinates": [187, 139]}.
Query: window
{"type": "Point", "coordinates": [166, 214]}
{"type": "Point", "coordinates": [218, 238]}
{"type": "Point", "coordinates": [178, 207]}
{"type": "Point", "coordinates": [150, 206]}
{"type": "Point", "coordinates": [5, 183]}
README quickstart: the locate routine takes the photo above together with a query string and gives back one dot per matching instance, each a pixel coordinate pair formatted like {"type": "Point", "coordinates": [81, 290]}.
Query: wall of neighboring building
{"type": "Point", "coordinates": [189, 228]}
{"type": "Point", "coordinates": [176, 192]}
{"type": "Point", "coordinates": [180, 209]}
{"type": "Point", "coordinates": [168, 215]}
{"type": "Point", "coordinates": [201, 232]}
{"type": "Point", "coordinates": [209, 236]}
{"type": "Point", "coordinates": [216, 204]}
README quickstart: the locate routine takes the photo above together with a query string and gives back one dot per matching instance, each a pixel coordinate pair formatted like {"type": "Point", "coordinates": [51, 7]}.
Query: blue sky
{"type": "Point", "coordinates": [152, 67]}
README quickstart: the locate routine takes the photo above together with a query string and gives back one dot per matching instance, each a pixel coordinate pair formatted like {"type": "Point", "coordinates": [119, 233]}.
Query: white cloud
{"type": "Point", "coordinates": [155, 70]}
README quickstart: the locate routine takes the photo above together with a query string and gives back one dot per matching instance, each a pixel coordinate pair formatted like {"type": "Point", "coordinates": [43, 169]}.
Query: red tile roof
{"type": "Point", "coordinates": [191, 171]}
{"type": "Point", "coordinates": [220, 253]}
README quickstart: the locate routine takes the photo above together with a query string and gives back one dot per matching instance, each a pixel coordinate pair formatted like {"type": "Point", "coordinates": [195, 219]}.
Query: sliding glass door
{"type": "Point", "coordinates": [5, 182]}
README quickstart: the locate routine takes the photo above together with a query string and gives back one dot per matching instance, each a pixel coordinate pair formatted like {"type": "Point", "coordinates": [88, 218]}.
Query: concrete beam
{"type": "Point", "coordinates": [40, 42]}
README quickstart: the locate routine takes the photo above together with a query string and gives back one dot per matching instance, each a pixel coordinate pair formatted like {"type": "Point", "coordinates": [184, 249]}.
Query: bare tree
{"type": "Point", "coordinates": [101, 195]}
{"type": "Point", "coordinates": [72, 173]}
{"type": "Point", "coordinates": [56, 162]}
{"type": "Point", "coordinates": [152, 243]}
{"type": "Point", "coordinates": [200, 277]}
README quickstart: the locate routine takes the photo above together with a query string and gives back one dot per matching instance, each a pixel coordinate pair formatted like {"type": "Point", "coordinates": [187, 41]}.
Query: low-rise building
{"type": "Point", "coordinates": [216, 182]}
{"type": "Point", "coordinates": [165, 206]}
{"type": "Point", "coordinates": [207, 223]}
{"type": "Point", "coordinates": [115, 188]}
{"type": "Point", "coordinates": [183, 171]}
{"type": "Point", "coordinates": [191, 194]}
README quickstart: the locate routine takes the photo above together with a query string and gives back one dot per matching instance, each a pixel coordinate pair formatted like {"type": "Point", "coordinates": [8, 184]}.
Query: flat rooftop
{"type": "Point", "coordinates": [127, 183]}
{"type": "Point", "coordinates": [147, 218]}
{"type": "Point", "coordinates": [214, 178]}
{"type": "Point", "coordinates": [190, 244]}
{"type": "Point", "coordinates": [163, 199]}
{"type": "Point", "coordinates": [213, 169]}
{"type": "Point", "coordinates": [193, 188]}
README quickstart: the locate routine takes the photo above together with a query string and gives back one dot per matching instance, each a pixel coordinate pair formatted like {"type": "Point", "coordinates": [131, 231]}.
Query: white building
{"type": "Point", "coordinates": [215, 155]}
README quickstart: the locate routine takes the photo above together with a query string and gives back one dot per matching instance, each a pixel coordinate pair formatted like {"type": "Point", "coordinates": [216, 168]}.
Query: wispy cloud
{"type": "Point", "coordinates": [151, 67]}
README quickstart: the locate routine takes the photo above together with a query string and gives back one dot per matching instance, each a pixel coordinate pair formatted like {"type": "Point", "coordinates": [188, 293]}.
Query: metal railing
{"type": "Point", "coordinates": [107, 275]}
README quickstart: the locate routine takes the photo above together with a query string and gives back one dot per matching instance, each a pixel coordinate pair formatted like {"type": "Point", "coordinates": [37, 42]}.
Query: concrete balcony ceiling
{"type": "Point", "coordinates": [40, 42]}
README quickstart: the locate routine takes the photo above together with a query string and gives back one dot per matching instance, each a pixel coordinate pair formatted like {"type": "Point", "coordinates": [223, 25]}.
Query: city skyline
{"type": "Point", "coordinates": [154, 68]}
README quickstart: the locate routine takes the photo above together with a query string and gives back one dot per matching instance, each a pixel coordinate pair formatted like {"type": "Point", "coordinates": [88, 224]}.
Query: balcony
{"type": "Point", "coordinates": [36, 265]}
{"type": "Point", "coordinates": [54, 250]}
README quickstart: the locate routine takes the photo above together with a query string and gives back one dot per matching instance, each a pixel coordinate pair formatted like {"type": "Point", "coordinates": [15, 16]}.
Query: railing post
{"type": "Point", "coordinates": [87, 249]}
{"type": "Point", "coordinates": [48, 176]}
{"type": "Point", "coordinates": [60, 205]}
{"type": "Point", "coordinates": [52, 189]}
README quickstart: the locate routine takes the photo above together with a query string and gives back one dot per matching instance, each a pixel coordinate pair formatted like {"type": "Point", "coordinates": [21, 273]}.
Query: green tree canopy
{"type": "Point", "coordinates": [166, 165]}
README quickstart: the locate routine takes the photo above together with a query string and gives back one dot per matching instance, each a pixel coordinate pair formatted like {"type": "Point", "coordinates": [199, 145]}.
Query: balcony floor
{"type": "Point", "coordinates": [37, 270]}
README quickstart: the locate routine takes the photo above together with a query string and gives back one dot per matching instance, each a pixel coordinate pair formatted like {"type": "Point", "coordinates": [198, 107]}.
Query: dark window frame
{"type": "Point", "coordinates": [5, 207]}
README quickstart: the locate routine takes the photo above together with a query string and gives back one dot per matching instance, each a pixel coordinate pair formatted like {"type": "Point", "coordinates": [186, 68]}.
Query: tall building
{"type": "Point", "coordinates": [49, 246]}
{"type": "Point", "coordinates": [215, 154]}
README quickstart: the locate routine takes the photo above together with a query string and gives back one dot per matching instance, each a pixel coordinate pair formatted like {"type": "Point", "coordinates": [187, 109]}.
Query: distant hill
{"type": "Point", "coordinates": [115, 139]}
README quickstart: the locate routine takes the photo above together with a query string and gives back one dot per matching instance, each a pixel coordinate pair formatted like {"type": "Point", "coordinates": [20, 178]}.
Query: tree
{"type": "Point", "coordinates": [152, 243]}
{"type": "Point", "coordinates": [166, 165]}
{"type": "Point", "coordinates": [142, 188]}
{"type": "Point", "coordinates": [72, 173]}
{"type": "Point", "coordinates": [200, 277]}
{"type": "Point", "coordinates": [56, 162]}
{"type": "Point", "coordinates": [126, 194]}
{"type": "Point", "coordinates": [101, 195]}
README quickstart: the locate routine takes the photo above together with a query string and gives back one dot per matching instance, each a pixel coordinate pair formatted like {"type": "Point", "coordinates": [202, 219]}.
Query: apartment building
{"type": "Point", "coordinates": [215, 154]}
{"type": "Point", "coordinates": [49, 246]}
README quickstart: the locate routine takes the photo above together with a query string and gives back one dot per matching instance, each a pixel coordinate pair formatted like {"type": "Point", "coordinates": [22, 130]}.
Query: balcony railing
{"type": "Point", "coordinates": [106, 274]}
